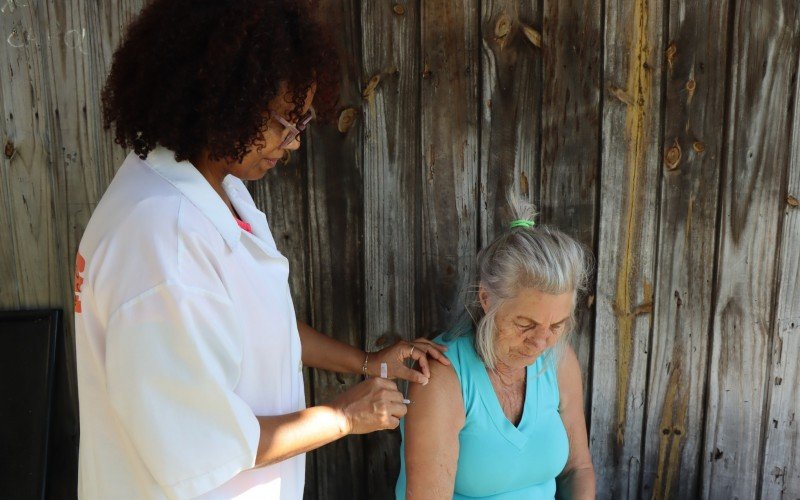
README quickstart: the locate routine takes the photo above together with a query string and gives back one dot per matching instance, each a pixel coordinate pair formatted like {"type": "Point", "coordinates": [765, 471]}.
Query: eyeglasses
{"type": "Point", "coordinates": [294, 129]}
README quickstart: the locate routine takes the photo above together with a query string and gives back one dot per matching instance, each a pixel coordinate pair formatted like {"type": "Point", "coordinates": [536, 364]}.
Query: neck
{"type": "Point", "coordinates": [507, 374]}
{"type": "Point", "coordinates": [214, 172]}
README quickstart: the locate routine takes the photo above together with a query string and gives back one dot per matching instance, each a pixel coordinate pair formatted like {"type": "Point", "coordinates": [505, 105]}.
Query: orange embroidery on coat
{"type": "Point", "coordinates": [80, 266]}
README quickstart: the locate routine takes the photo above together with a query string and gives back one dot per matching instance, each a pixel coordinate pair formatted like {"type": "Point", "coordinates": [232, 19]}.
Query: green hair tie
{"type": "Point", "coordinates": [527, 224]}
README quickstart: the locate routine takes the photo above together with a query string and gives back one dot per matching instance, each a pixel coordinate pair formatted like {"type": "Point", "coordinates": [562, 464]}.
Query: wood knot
{"type": "Point", "coordinates": [791, 200]}
{"type": "Point", "coordinates": [673, 156]}
{"type": "Point", "coordinates": [533, 36]}
{"type": "Point", "coordinates": [426, 71]}
{"type": "Point", "coordinates": [690, 86]}
{"type": "Point", "coordinates": [398, 9]}
{"type": "Point", "coordinates": [672, 51]}
{"type": "Point", "coordinates": [346, 119]}
{"type": "Point", "coordinates": [10, 150]}
{"type": "Point", "coordinates": [501, 29]}
{"type": "Point", "coordinates": [698, 146]}
{"type": "Point", "coordinates": [369, 91]}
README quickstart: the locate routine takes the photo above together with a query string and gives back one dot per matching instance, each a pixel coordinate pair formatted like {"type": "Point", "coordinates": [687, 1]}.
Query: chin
{"type": "Point", "coordinates": [529, 359]}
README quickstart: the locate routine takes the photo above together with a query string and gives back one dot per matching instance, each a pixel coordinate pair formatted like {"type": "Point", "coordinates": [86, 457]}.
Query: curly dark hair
{"type": "Point", "coordinates": [198, 75]}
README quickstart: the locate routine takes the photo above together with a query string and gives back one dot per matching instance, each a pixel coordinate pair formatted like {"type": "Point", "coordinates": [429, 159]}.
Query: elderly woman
{"type": "Point", "coordinates": [189, 352]}
{"type": "Point", "coordinates": [505, 420]}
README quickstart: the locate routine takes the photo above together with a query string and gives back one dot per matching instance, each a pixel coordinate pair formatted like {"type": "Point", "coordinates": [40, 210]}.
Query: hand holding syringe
{"type": "Point", "coordinates": [385, 374]}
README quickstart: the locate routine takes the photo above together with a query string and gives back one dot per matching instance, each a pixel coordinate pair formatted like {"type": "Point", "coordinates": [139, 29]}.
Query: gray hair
{"type": "Point", "coordinates": [537, 257]}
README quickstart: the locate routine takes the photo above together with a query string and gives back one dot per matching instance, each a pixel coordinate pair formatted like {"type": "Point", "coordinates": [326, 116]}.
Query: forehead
{"type": "Point", "coordinates": [539, 306]}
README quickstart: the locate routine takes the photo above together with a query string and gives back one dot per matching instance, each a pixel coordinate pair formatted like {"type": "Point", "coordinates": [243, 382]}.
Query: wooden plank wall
{"type": "Point", "coordinates": [664, 135]}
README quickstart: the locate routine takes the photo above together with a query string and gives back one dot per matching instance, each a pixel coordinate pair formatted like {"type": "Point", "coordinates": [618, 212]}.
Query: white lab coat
{"type": "Point", "coordinates": [185, 331]}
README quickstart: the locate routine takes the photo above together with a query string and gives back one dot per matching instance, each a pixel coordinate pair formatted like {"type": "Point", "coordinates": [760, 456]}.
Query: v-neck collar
{"type": "Point", "coordinates": [515, 434]}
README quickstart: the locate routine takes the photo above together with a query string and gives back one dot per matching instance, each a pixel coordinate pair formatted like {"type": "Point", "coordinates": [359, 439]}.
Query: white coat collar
{"type": "Point", "coordinates": [191, 183]}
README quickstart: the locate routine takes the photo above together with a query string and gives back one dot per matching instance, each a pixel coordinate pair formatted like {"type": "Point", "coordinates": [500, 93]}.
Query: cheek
{"type": "Point", "coordinates": [273, 139]}
{"type": "Point", "coordinates": [510, 340]}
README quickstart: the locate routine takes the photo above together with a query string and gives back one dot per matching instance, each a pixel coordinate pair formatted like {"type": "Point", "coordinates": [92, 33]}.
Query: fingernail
{"type": "Point", "coordinates": [407, 401]}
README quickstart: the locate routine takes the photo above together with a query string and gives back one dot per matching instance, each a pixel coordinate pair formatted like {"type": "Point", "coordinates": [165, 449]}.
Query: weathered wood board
{"type": "Point", "coordinates": [662, 134]}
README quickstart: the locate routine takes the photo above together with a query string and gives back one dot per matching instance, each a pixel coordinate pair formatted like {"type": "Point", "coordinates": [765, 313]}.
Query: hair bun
{"type": "Point", "coordinates": [523, 212]}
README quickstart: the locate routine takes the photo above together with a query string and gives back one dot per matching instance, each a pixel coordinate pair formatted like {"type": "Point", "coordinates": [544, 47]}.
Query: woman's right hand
{"type": "Point", "coordinates": [372, 405]}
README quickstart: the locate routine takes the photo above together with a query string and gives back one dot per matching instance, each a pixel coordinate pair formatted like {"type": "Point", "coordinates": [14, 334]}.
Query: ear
{"type": "Point", "coordinates": [483, 297]}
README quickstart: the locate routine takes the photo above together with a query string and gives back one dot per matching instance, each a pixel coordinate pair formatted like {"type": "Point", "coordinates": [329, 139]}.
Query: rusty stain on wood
{"type": "Point", "coordinates": [673, 423]}
{"type": "Point", "coordinates": [672, 158]}
{"type": "Point", "coordinates": [698, 146]}
{"type": "Point", "coordinates": [398, 9]}
{"type": "Point", "coordinates": [639, 82]}
{"type": "Point", "coordinates": [792, 201]}
{"type": "Point", "coordinates": [532, 35]}
{"type": "Point", "coordinates": [346, 119]}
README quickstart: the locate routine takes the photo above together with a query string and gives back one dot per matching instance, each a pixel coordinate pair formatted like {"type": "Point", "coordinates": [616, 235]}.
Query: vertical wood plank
{"type": "Point", "coordinates": [692, 144]}
{"type": "Point", "coordinates": [449, 141]}
{"type": "Point", "coordinates": [9, 292]}
{"type": "Point", "coordinates": [755, 159]}
{"type": "Point", "coordinates": [29, 170]}
{"type": "Point", "coordinates": [510, 104]}
{"type": "Point", "coordinates": [336, 247]}
{"type": "Point", "coordinates": [781, 472]}
{"type": "Point", "coordinates": [390, 50]}
{"type": "Point", "coordinates": [107, 24]}
{"type": "Point", "coordinates": [572, 59]}
{"type": "Point", "coordinates": [629, 182]}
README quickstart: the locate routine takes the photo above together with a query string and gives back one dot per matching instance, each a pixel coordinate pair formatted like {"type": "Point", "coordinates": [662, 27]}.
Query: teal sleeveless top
{"type": "Point", "coordinates": [496, 459]}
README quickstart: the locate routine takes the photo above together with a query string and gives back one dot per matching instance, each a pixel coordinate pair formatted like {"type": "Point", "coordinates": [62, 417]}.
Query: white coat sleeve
{"type": "Point", "coordinates": [173, 359]}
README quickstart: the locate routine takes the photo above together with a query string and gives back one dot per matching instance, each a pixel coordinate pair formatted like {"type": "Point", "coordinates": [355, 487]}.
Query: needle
{"type": "Point", "coordinates": [385, 374]}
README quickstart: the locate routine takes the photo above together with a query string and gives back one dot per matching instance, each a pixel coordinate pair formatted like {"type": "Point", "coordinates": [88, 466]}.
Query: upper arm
{"type": "Point", "coordinates": [571, 409]}
{"type": "Point", "coordinates": [172, 362]}
{"type": "Point", "coordinates": [432, 425]}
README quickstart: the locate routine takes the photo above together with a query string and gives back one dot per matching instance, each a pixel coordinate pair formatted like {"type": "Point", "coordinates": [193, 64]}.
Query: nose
{"type": "Point", "coordinates": [542, 332]}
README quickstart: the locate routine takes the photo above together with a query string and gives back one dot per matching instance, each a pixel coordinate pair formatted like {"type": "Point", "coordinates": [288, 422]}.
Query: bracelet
{"type": "Point", "coordinates": [364, 366]}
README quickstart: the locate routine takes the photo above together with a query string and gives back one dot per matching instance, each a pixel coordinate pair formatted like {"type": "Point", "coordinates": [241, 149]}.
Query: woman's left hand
{"type": "Point", "coordinates": [394, 356]}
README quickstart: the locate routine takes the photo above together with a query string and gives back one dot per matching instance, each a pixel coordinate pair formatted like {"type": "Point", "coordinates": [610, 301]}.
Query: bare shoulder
{"type": "Point", "coordinates": [569, 375]}
{"type": "Point", "coordinates": [440, 398]}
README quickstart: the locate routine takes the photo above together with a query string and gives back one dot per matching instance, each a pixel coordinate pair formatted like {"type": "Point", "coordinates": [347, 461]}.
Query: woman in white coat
{"type": "Point", "coordinates": [189, 352]}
